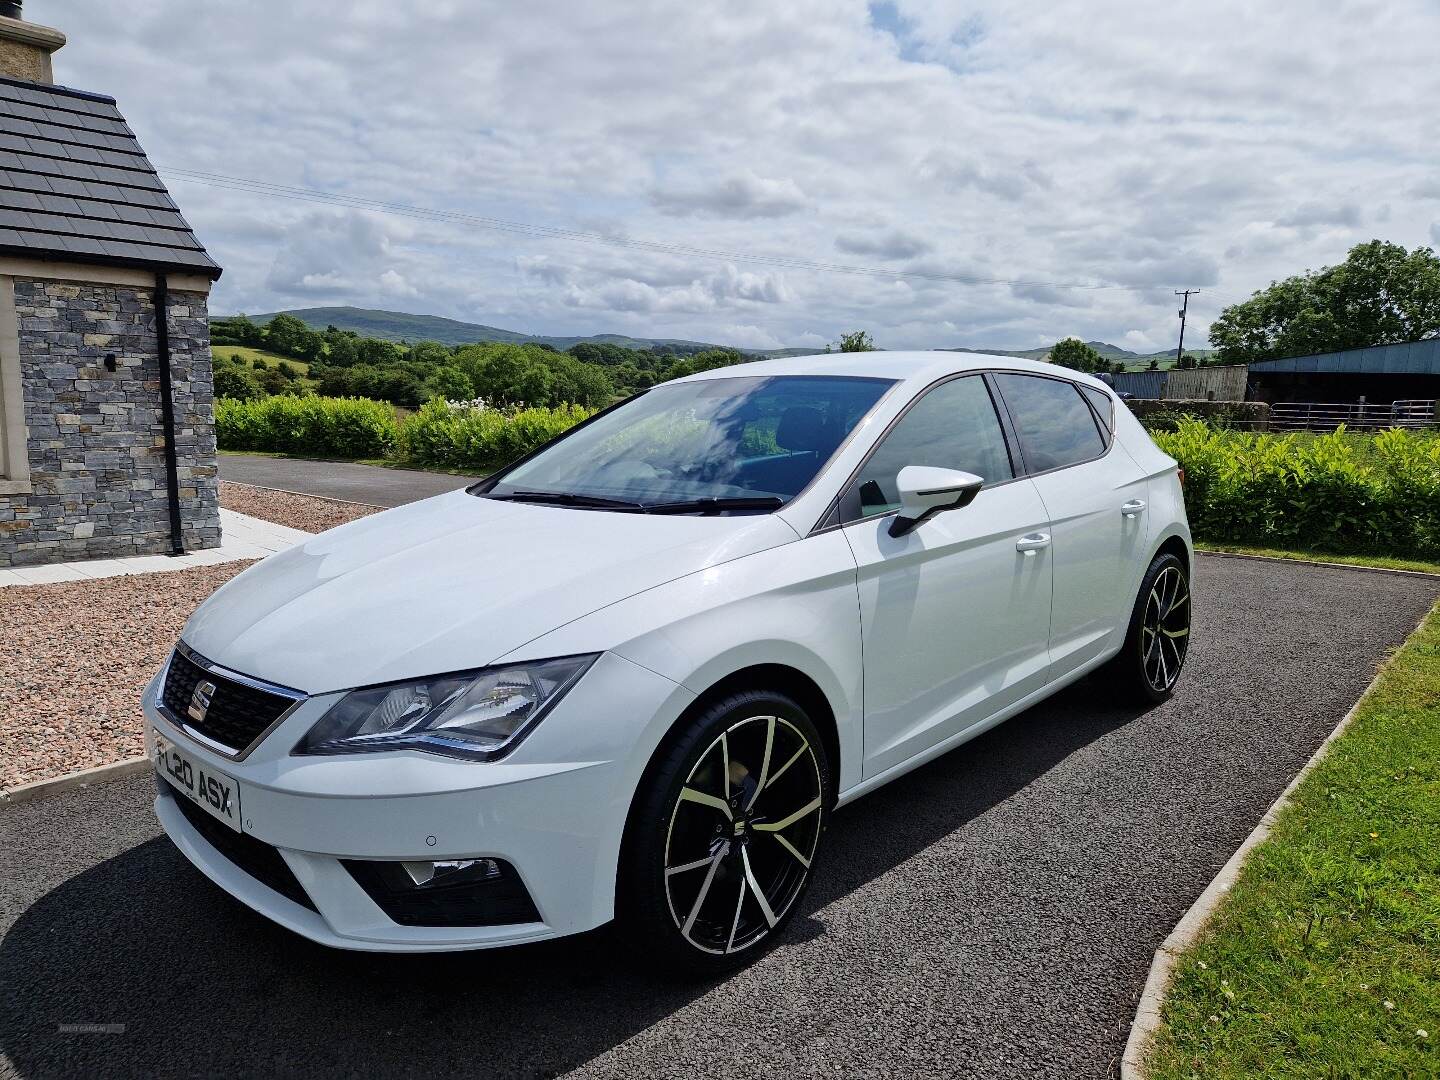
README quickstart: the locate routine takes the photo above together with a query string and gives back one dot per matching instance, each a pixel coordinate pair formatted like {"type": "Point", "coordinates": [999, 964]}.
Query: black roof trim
{"type": "Point", "coordinates": [56, 88]}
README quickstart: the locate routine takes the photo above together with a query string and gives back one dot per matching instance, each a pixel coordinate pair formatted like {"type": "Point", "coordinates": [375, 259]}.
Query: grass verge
{"type": "Point", "coordinates": [1422, 566]}
{"type": "Point", "coordinates": [1324, 961]}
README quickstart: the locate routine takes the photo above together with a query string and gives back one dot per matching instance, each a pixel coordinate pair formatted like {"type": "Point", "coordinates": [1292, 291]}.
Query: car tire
{"type": "Point", "coordinates": [723, 834]}
{"type": "Point", "coordinates": [1157, 640]}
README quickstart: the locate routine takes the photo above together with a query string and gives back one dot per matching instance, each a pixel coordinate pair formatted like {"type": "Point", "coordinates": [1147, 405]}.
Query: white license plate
{"type": "Point", "coordinates": [214, 792]}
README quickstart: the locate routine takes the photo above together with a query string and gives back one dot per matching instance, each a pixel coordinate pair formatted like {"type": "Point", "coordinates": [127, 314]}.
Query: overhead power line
{"type": "Point", "coordinates": [456, 217]}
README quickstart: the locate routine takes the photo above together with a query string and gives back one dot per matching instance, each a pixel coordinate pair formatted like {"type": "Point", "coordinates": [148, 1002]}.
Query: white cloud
{"type": "Point", "coordinates": [743, 195]}
{"type": "Point", "coordinates": [890, 244]}
{"type": "Point", "coordinates": [1050, 144]}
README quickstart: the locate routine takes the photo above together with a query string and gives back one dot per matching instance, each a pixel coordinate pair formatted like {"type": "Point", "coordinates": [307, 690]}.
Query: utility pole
{"type": "Point", "coordinates": [1184, 307]}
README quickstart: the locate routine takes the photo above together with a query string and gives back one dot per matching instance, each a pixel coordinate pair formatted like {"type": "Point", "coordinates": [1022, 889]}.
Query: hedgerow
{"type": "Point", "coordinates": [1337, 492]}
{"type": "Point", "coordinates": [469, 436]}
{"type": "Point", "coordinates": [325, 427]}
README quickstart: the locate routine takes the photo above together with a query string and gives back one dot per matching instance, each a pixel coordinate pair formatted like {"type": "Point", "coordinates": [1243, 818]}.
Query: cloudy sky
{"type": "Point", "coordinates": [1134, 146]}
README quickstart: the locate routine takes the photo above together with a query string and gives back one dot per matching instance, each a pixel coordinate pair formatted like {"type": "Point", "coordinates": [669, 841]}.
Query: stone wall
{"type": "Point", "coordinates": [96, 442]}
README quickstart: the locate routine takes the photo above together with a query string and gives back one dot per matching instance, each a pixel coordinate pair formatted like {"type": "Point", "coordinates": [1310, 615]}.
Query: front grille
{"type": "Point", "coordinates": [497, 901]}
{"type": "Point", "coordinates": [237, 715]}
{"type": "Point", "coordinates": [257, 858]}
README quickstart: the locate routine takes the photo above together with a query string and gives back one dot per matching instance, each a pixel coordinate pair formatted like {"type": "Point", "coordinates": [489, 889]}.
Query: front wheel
{"type": "Point", "coordinates": [725, 831]}
{"type": "Point", "coordinates": [1158, 638]}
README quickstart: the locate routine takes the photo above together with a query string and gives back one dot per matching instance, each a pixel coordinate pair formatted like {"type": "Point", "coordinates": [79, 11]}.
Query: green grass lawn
{"type": "Point", "coordinates": [1423, 566]}
{"type": "Point", "coordinates": [1324, 960]}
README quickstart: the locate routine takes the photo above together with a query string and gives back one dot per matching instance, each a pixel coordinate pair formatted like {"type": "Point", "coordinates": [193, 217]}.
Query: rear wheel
{"type": "Point", "coordinates": [725, 832]}
{"type": "Point", "coordinates": [1158, 638]}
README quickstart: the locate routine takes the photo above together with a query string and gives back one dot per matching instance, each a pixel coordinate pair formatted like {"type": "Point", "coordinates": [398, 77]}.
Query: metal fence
{"type": "Point", "coordinates": [1323, 416]}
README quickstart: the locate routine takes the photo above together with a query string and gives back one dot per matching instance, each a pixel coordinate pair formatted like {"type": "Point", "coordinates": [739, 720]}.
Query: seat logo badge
{"type": "Point", "coordinates": [200, 700]}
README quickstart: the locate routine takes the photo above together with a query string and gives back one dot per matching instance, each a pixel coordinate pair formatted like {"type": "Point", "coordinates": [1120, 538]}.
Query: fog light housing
{"type": "Point", "coordinates": [446, 892]}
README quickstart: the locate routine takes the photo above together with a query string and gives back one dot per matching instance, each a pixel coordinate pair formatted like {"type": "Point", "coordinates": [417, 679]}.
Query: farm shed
{"type": "Point", "coordinates": [1382, 374]}
{"type": "Point", "coordinates": [107, 444]}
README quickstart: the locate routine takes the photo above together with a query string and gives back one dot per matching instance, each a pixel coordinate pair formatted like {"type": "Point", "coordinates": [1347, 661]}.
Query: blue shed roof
{"type": "Point", "coordinates": [1406, 358]}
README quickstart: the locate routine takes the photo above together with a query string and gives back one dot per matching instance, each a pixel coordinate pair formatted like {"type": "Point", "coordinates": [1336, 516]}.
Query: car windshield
{"type": "Point", "coordinates": [720, 445]}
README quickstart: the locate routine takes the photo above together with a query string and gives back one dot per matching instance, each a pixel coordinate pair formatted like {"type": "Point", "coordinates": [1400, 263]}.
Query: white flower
{"type": "Point", "coordinates": [1202, 965]}
{"type": "Point", "coordinates": [1389, 1006]}
{"type": "Point", "coordinates": [1423, 1033]}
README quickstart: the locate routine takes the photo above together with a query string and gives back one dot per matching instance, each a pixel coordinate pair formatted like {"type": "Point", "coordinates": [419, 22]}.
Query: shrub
{"type": "Point", "coordinates": [327, 427]}
{"type": "Point", "coordinates": [1335, 492]}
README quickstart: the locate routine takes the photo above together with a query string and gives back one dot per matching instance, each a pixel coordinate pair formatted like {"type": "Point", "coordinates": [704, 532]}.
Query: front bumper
{"type": "Point", "coordinates": [556, 820]}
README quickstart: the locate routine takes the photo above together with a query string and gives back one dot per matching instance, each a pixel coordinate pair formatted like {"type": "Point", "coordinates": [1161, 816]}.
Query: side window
{"type": "Point", "coordinates": [1104, 406]}
{"type": "Point", "coordinates": [1055, 425]}
{"type": "Point", "coordinates": [954, 426]}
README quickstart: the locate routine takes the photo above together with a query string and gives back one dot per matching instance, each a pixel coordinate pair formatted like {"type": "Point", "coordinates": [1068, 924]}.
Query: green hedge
{"type": "Point", "coordinates": [453, 438]}
{"type": "Point", "coordinates": [1338, 492]}
{"type": "Point", "coordinates": [327, 427]}
{"type": "Point", "coordinates": [438, 434]}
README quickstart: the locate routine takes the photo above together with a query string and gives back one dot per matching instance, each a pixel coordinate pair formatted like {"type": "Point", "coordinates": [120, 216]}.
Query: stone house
{"type": "Point", "coordinates": [107, 437]}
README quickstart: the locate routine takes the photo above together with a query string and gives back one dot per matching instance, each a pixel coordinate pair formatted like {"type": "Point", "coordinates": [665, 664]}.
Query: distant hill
{"type": "Point", "coordinates": [401, 326]}
{"type": "Point", "coordinates": [1131, 360]}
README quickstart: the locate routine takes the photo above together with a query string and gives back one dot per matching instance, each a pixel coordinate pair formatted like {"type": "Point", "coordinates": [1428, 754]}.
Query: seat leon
{"type": "Point", "coordinates": [631, 675]}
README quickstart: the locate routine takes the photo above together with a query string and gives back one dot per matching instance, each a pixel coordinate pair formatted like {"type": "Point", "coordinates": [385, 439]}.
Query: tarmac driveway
{"type": "Point", "coordinates": [991, 915]}
{"type": "Point", "coordinates": [339, 479]}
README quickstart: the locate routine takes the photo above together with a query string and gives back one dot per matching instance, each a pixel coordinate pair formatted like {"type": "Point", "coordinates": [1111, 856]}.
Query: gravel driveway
{"type": "Point", "coordinates": [992, 915]}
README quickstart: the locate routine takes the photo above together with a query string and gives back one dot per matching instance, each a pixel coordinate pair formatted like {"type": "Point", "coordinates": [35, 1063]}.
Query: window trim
{"type": "Point", "coordinates": [830, 519]}
{"type": "Point", "coordinates": [14, 441]}
{"type": "Point", "coordinates": [1107, 439]}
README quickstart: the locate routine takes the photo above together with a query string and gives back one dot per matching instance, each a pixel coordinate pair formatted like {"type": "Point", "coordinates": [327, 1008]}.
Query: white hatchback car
{"type": "Point", "coordinates": [632, 674]}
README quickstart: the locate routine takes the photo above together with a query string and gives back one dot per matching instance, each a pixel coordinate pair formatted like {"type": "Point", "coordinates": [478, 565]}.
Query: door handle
{"type": "Point", "coordinates": [1133, 508]}
{"type": "Point", "coordinates": [1032, 542]}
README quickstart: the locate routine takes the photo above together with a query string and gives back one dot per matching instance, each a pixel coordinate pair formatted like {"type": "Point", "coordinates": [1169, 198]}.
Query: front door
{"type": "Point", "coordinates": [954, 617]}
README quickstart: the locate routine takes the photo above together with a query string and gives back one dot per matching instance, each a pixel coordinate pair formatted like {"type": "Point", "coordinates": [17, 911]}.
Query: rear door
{"type": "Point", "coordinates": [954, 618]}
{"type": "Point", "coordinates": [1095, 496]}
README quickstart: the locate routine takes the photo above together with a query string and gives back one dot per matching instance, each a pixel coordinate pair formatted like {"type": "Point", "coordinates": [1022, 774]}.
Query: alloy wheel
{"type": "Point", "coordinates": [742, 834]}
{"type": "Point", "coordinates": [1165, 631]}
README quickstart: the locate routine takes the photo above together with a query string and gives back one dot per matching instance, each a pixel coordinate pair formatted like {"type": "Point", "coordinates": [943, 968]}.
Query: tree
{"type": "Point", "coordinates": [452, 384]}
{"type": "Point", "coordinates": [1075, 354]}
{"type": "Point", "coordinates": [429, 352]}
{"type": "Point", "coordinates": [856, 341]}
{"type": "Point", "coordinates": [1380, 294]}
{"type": "Point", "coordinates": [235, 382]}
{"type": "Point", "coordinates": [1154, 366]}
{"type": "Point", "coordinates": [284, 333]}
{"type": "Point", "coordinates": [1187, 362]}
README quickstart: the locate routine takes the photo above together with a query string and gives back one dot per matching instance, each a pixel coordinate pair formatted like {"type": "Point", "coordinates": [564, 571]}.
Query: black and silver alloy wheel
{"type": "Point", "coordinates": [724, 832]}
{"type": "Point", "coordinates": [1158, 638]}
{"type": "Point", "coordinates": [1165, 629]}
{"type": "Point", "coordinates": [742, 834]}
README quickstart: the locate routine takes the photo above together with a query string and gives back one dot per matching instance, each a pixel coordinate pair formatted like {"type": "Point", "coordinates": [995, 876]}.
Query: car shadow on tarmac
{"type": "Point", "coordinates": [203, 985]}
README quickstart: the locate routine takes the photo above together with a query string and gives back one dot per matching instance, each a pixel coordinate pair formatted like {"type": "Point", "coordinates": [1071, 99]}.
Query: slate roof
{"type": "Point", "coordinates": [75, 185]}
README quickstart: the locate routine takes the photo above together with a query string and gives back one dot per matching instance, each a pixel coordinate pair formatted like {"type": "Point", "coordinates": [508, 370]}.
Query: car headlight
{"type": "Point", "coordinates": [471, 714]}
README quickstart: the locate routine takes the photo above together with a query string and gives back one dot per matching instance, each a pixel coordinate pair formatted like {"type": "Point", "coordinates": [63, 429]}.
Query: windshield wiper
{"type": "Point", "coordinates": [567, 498]}
{"type": "Point", "coordinates": [715, 506]}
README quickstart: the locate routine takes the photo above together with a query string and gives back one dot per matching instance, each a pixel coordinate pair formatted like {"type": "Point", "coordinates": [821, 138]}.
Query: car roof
{"type": "Point", "coordinates": [911, 367]}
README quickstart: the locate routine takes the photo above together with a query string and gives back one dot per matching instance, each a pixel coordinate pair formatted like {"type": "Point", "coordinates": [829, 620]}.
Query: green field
{"type": "Point", "coordinates": [249, 355]}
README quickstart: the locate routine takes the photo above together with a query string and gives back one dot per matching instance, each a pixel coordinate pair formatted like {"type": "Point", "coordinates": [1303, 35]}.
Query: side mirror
{"type": "Point", "coordinates": [927, 491]}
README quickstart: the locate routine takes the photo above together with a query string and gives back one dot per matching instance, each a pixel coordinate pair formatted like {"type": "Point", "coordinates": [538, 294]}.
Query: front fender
{"type": "Point", "coordinates": [794, 605]}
